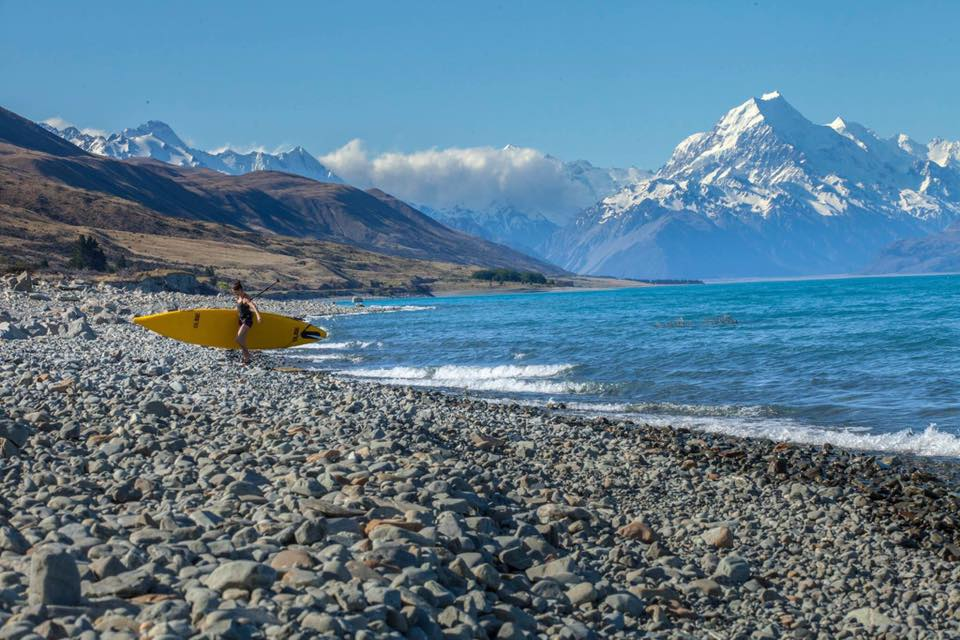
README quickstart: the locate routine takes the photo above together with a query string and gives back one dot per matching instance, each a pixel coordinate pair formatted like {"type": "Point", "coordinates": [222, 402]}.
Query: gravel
{"type": "Point", "coordinates": [154, 489]}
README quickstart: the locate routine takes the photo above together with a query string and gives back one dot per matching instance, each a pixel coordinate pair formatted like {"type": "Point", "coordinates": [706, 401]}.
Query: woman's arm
{"type": "Point", "coordinates": [253, 306]}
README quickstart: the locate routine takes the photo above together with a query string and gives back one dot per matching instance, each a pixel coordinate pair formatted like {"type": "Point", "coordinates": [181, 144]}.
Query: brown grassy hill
{"type": "Point", "coordinates": [42, 173]}
{"type": "Point", "coordinates": [28, 238]}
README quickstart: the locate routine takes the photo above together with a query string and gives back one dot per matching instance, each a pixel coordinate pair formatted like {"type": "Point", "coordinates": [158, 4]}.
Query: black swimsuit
{"type": "Point", "coordinates": [246, 315]}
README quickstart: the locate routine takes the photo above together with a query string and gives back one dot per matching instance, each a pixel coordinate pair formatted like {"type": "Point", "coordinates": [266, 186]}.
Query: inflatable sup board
{"type": "Point", "coordinates": [218, 328]}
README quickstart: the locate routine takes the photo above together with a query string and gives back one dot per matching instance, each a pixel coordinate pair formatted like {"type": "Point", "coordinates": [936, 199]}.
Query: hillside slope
{"type": "Point", "coordinates": [37, 166]}
{"type": "Point", "coordinates": [513, 196]}
{"type": "Point", "coordinates": [935, 253]}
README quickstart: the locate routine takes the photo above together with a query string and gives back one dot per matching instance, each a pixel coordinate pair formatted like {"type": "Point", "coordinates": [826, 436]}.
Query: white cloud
{"type": "Point", "coordinates": [240, 149]}
{"type": "Point", "coordinates": [90, 131]}
{"type": "Point", "coordinates": [480, 178]}
{"type": "Point", "coordinates": [475, 178]}
{"type": "Point", "coordinates": [60, 123]}
{"type": "Point", "coordinates": [57, 122]}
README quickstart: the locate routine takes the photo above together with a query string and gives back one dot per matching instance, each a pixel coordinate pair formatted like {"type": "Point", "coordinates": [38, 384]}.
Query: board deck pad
{"type": "Point", "coordinates": [218, 328]}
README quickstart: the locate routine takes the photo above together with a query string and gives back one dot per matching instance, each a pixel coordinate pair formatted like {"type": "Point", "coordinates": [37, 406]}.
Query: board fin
{"type": "Point", "coordinates": [311, 334]}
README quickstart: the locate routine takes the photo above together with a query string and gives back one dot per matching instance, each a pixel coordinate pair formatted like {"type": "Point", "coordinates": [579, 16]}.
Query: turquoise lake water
{"type": "Point", "coordinates": [862, 362]}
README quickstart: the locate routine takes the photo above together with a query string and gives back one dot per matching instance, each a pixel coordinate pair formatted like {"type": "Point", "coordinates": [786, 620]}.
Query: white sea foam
{"type": "Point", "coordinates": [679, 409]}
{"type": "Point", "coordinates": [362, 311]}
{"type": "Point", "coordinates": [350, 344]}
{"type": "Point", "coordinates": [748, 422]}
{"type": "Point", "coordinates": [929, 442]}
{"type": "Point", "coordinates": [458, 372]}
{"type": "Point", "coordinates": [394, 309]}
{"type": "Point", "coordinates": [318, 357]}
{"type": "Point", "coordinates": [502, 378]}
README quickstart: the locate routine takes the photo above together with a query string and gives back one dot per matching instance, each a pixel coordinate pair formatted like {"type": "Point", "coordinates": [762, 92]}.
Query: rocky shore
{"type": "Point", "coordinates": [153, 489]}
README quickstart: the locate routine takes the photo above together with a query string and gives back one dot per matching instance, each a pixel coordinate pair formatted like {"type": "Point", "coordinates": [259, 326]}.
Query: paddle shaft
{"type": "Point", "coordinates": [270, 286]}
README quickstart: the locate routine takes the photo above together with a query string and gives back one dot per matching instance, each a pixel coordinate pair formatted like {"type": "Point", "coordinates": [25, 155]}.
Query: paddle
{"type": "Point", "coordinates": [270, 286]}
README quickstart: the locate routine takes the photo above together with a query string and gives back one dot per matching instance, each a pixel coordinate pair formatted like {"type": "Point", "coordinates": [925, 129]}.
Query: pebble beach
{"type": "Point", "coordinates": [153, 489]}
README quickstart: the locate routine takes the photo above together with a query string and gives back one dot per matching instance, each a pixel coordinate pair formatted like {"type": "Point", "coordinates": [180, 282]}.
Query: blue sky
{"type": "Point", "coordinates": [617, 83]}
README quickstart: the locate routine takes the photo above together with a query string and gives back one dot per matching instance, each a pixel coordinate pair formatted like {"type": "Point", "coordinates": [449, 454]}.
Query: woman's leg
{"type": "Point", "coordinates": [242, 341]}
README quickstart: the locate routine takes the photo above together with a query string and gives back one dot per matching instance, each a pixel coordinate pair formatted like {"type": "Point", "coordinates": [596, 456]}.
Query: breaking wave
{"type": "Point", "coordinates": [928, 442]}
{"type": "Point", "coordinates": [363, 311]}
{"type": "Point", "coordinates": [350, 344]}
{"type": "Point", "coordinates": [535, 378]}
{"type": "Point", "coordinates": [762, 422]}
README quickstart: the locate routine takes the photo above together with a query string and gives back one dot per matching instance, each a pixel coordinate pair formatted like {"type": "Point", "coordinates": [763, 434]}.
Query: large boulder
{"type": "Point", "coordinates": [79, 329]}
{"type": "Point", "coordinates": [734, 569]}
{"type": "Point", "coordinates": [124, 585]}
{"type": "Point", "coordinates": [10, 331]}
{"type": "Point", "coordinates": [13, 540]}
{"type": "Point", "coordinates": [15, 432]}
{"type": "Point", "coordinates": [8, 449]}
{"type": "Point", "coordinates": [23, 283]}
{"type": "Point", "coordinates": [871, 618]}
{"type": "Point", "coordinates": [34, 328]}
{"type": "Point", "coordinates": [54, 578]}
{"type": "Point", "coordinates": [242, 574]}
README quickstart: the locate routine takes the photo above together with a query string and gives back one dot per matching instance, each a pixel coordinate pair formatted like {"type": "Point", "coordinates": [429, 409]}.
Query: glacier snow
{"type": "Point", "coordinates": [766, 192]}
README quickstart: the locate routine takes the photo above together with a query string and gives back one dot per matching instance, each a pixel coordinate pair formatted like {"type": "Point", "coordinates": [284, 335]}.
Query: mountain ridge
{"type": "Point", "coordinates": [765, 192]}
{"type": "Point", "coordinates": [157, 140]}
{"type": "Point", "coordinates": [521, 225]}
{"type": "Point", "coordinates": [38, 167]}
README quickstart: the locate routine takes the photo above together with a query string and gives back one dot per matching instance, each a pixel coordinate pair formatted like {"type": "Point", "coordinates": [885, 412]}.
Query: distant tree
{"type": "Point", "coordinates": [509, 275]}
{"type": "Point", "coordinates": [87, 254]}
{"type": "Point", "coordinates": [121, 262]}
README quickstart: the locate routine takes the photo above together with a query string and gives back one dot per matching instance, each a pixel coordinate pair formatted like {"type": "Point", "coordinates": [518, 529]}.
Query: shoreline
{"type": "Point", "coordinates": [836, 276]}
{"type": "Point", "coordinates": [270, 501]}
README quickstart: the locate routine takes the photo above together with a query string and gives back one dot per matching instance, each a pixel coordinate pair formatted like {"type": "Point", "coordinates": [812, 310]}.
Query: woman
{"type": "Point", "coordinates": [246, 309]}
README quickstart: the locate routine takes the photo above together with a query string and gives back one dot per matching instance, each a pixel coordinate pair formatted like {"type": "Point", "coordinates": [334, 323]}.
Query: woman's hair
{"type": "Point", "coordinates": [237, 286]}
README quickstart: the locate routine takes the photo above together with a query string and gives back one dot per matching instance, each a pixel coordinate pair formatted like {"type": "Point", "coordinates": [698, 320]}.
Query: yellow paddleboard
{"type": "Point", "coordinates": [218, 328]}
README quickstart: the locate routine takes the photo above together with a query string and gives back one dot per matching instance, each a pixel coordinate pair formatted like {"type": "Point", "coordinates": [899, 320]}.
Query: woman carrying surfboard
{"type": "Point", "coordinates": [246, 310]}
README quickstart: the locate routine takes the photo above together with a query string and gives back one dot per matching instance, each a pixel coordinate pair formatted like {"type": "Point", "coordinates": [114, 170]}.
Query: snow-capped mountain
{"type": "Point", "coordinates": [767, 192]}
{"type": "Point", "coordinates": [513, 195]}
{"type": "Point", "coordinates": [945, 153]}
{"type": "Point", "coordinates": [157, 140]}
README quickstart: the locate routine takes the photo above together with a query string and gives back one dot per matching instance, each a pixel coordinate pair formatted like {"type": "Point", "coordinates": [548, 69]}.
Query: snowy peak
{"type": "Point", "coordinates": [756, 140]}
{"type": "Point", "coordinates": [157, 130]}
{"type": "Point", "coordinates": [852, 130]}
{"type": "Point", "coordinates": [768, 192]}
{"type": "Point", "coordinates": [771, 108]}
{"type": "Point", "coordinates": [765, 141]}
{"type": "Point", "coordinates": [157, 140]}
{"type": "Point", "coordinates": [899, 150]}
{"type": "Point", "coordinates": [945, 153]}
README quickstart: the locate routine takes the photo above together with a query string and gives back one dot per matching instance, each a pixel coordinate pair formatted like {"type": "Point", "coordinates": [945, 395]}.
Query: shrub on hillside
{"type": "Point", "coordinates": [510, 275]}
{"type": "Point", "coordinates": [87, 254]}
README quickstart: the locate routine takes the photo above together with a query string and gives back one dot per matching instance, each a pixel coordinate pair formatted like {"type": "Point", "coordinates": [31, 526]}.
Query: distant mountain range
{"type": "Point", "coordinates": [525, 225]}
{"type": "Point", "coordinates": [53, 180]}
{"type": "Point", "coordinates": [158, 141]}
{"type": "Point", "coordinates": [766, 192]}
{"type": "Point", "coordinates": [529, 228]}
